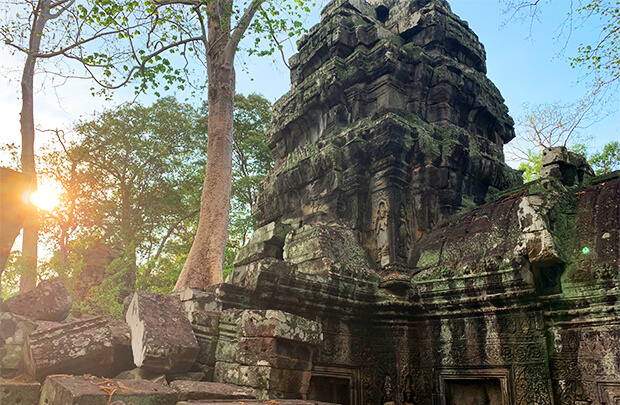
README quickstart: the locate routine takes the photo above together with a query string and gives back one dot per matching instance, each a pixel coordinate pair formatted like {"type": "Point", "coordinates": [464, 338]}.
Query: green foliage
{"type": "Point", "coordinates": [602, 56]}
{"type": "Point", "coordinates": [132, 180]}
{"type": "Point", "coordinates": [229, 259]}
{"type": "Point", "coordinates": [607, 160]}
{"type": "Point", "coordinates": [10, 276]}
{"type": "Point", "coordinates": [106, 299]}
{"type": "Point", "coordinates": [531, 167]}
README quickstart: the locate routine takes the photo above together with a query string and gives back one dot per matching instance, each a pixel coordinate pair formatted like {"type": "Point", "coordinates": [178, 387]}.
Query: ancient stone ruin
{"type": "Point", "coordinates": [399, 260]}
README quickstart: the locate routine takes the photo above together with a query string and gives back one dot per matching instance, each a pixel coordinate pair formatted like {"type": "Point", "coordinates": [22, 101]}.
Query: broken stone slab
{"type": "Point", "coordinates": [49, 301]}
{"type": "Point", "coordinates": [142, 374]}
{"type": "Point", "coordinates": [162, 338]}
{"type": "Point", "coordinates": [13, 332]}
{"type": "Point", "coordinates": [89, 390]}
{"type": "Point", "coordinates": [19, 391]}
{"type": "Point", "coordinates": [202, 390]}
{"type": "Point", "coordinates": [78, 347]}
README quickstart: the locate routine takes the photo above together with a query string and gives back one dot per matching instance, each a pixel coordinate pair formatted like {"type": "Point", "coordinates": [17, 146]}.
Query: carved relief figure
{"type": "Point", "coordinates": [381, 233]}
{"type": "Point", "coordinates": [388, 391]}
{"type": "Point", "coordinates": [408, 390]}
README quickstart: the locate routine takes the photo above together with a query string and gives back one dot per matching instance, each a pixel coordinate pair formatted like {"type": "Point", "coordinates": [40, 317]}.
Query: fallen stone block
{"type": "Point", "coordinates": [202, 390]}
{"type": "Point", "coordinates": [162, 338]}
{"type": "Point", "coordinates": [13, 332]}
{"type": "Point", "coordinates": [89, 390]}
{"type": "Point", "coordinates": [78, 347]}
{"type": "Point", "coordinates": [50, 301]}
{"type": "Point", "coordinates": [142, 374]}
{"type": "Point", "coordinates": [19, 391]}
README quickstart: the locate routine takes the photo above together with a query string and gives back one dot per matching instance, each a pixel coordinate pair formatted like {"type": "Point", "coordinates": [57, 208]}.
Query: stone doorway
{"type": "Point", "coordinates": [335, 385]}
{"type": "Point", "coordinates": [474, 387]}
{"type": "Point", "coordinates": [473, 392]}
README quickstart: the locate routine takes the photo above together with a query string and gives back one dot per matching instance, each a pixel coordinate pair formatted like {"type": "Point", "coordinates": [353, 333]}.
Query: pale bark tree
{"type": "Point", "coordinates": [220, 35]}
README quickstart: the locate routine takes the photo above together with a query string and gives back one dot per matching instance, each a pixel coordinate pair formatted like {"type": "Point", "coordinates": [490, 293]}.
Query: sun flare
{"type": "Point", "coordinates": [46, 197]}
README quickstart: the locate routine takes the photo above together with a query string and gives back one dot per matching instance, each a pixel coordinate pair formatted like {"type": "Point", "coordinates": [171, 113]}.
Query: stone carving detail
{"type": "Point", "coordinates": [388, 391]}
{"type": "Point", "coordinates": [382, 233]}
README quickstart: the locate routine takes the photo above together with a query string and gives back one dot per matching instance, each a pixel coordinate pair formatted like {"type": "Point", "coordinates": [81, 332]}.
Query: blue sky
{"type": "Point", "coordinates": [526, 67]}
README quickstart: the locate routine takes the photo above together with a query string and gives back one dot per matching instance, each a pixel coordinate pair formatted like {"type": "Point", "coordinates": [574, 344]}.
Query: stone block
{"type": "Point", "coordinates": [162, 338]}
{"type": "Point", "coordinates": [279, 324]}
{"type": "Point", "coordinates": [89, 390]}
{"type": "Point", "coordinates": [50, 301]}
{"type": "Point", "coordinates": [78, 347]}
{"type": "Point", "coordinates": [198, 300]}
{"type": "Point", "coordinates": [322, 250]}
{"type": "Point", "coordinates": [249, 275]}
{"type": "Point", "coordinates": [267, 241]}
{"type": "Point", "coordinates": [205, 370]}
{"type": "Point", "coordinates": [278, 353]}
{"type": "Point", "coordinates": [208, 345]}
{"type": "Point", "coordinates": [205, 322]}
{"type": "Point", "coordinates": [263, 377]}
{"type": "Point", "coordinates": [202, 390]}
{"type": "Point", "coordinates": [19, 392]}
{"type": "Point", "coordinates": [13, 332]}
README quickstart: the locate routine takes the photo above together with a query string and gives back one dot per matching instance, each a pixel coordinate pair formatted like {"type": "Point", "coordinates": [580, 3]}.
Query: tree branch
{"type": "Point", "coordinates": [239, 31]}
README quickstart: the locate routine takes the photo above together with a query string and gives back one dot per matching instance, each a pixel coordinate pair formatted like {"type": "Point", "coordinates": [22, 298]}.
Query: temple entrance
{"type": "Point", "coordinates": [473, 392]}
{"type": "Point", "coordinates": [476, 386]}
{"type": "Point", "coordinates": [335, 385]}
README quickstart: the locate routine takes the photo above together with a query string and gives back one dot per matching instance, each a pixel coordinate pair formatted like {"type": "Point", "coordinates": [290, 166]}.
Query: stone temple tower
{"type": "Point", "coordinates": [398, 260]}
{"type": "Point", "coordinates": [390, 126]}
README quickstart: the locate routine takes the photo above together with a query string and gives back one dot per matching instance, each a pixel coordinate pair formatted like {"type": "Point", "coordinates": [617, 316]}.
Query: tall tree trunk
{"type": "Point", "coordinates": [31, 224]}
{"type": "Point", "coordinates": [205, 261]}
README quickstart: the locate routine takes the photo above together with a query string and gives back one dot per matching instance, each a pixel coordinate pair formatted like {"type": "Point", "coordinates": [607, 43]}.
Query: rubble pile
{"type": "Point", "coordinates": [153, 357]}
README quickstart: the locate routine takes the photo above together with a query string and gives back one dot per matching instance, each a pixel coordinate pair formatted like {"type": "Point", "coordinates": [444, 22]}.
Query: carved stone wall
{"type": "Point", "coordinates": [392, 221]}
